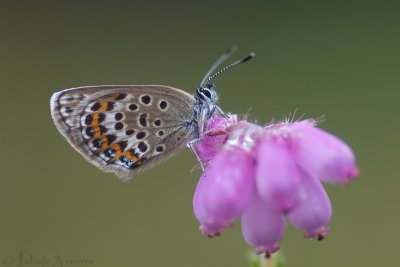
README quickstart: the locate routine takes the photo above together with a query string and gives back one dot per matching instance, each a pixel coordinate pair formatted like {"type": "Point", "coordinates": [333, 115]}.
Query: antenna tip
{"type": "Point", "coordinates": [247, 58]}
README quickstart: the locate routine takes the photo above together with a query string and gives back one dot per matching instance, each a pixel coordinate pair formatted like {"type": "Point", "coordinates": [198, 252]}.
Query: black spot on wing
{"type": "Point", "coordinates": [163, 104]}
{"type": "Point", "coordinates": [97, 143]}
{"type": "Point", "coordinates": [142, 146]}
{"type": "Point", "coordinates": [118, 126]}
{"type": "Point", "coordinates": [141, 135]}
{"type": "Point", "coordinates": [145, 99]}
{"type": "Point", "coordinates": [89, 131]}
{"type": "Point", "coordinates": [143, 119]}
{"type": "Point", "coordinates": [129, 132]}
{"type": "Point", "coordinates": [133, 107]}
{"type": "Point", "coordinates": [120, 97]}
{"type": "Point", "coordinates": [110, 106]}
{"type": "Point", "coordinates": [157, 122]}
{"type": "Point", "coordinates": [111, 138]}
{"type": "Point", "coordinates": [88, 119]}
{"type": "Point", "coordinates": [118, 116]}
{"type": "Point", "coordinates": [95, 106]}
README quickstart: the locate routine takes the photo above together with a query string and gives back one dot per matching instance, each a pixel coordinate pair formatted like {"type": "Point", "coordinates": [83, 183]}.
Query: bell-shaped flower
{"type": "Point", "coordinates": [262, 226]}
{"type": "Point", "coordinates": [314, 209]}
{"type": "Point", "coordinates": [277, 175]}
{"type": "Point", "coordinates": [322, 155]}
{"type": "Point", "coordinates": [224, 190]}
{"type": "Point", "coordinates": [262, 174]}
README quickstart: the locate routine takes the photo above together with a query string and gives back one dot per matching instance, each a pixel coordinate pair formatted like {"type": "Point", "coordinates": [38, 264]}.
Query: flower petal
{"type": "Point", "coordinates": [262, 226]}
{"type": "Point", "coordinates": [323, 155]}
{"type": "Point", "coordinates": [224, 190]}
{"type": "Point", "coordinates": [314, 210]}
{"type": "Point", "coordinates": [208, 225]}
{"type": "Point", "coordinates": [277, 176]}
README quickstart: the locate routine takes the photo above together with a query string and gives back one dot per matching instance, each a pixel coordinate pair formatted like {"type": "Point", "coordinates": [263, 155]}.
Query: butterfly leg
{"type": "Point", "coordinates": [221, 112]}
{"type": "Point", "coordinates": [191, 145]}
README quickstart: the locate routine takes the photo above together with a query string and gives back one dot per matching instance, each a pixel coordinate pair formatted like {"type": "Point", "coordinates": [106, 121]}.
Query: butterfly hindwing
{"type": "Point", "coordinates": [124, 129]}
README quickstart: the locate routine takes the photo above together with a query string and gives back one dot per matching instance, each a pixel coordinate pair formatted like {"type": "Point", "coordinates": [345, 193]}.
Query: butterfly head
{"type": "Point", "coordinates": [207, 94]}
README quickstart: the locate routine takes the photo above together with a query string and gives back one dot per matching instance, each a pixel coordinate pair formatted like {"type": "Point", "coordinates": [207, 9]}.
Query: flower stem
{"type": "Point", "coordinates": [274, 260]}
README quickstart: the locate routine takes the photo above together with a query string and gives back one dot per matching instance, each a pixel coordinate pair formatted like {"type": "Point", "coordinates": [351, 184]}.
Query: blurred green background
{"type": "Point", "coordinates": [338, 58]}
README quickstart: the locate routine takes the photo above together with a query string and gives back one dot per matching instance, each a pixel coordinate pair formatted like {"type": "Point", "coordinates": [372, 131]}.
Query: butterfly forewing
{"type": "Point", "coordinates": [124, 129]}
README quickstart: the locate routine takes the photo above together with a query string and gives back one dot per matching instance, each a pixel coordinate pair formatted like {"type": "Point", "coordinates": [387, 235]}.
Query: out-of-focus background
{"type": "Point", "coordinates": [340, 59]}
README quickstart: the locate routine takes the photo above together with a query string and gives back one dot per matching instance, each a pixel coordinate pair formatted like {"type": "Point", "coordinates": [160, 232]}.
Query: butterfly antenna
{"type": "Point", "coordinates": [240, 61]}
{"type": "Point", "coordinates": [221, 59]}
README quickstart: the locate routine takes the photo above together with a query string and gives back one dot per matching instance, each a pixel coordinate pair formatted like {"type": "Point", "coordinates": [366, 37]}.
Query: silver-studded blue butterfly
{"type": "Point", "coordinates": [126, 128]}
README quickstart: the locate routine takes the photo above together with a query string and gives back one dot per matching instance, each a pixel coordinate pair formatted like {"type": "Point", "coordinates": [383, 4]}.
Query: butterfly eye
{"type": "Point", "coordinates": [204, 93]}
{"type": "Point", "coordinates": [207, 93]}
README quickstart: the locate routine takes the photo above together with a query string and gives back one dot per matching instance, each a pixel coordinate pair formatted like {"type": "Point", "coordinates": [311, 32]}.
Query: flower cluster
{"type": "Point", "coordinates": [263, 175]}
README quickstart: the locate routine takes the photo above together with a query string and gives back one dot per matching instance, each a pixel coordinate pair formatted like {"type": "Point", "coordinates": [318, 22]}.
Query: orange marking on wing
{"type": "Point", "coordinates": [130, 156]}
{"type": "Point", "coordinates": [103, 106]}
{"type": "Point", "coordinates": [95, 125]}
{"type": "Point", "coordinates": [96, 130]}
{"type": "Point", "coordinates": [117, 149]}
{"type": "Point", "coordinates": [95, 120]}
{"type": "Point", "coordinates": [105, 142]}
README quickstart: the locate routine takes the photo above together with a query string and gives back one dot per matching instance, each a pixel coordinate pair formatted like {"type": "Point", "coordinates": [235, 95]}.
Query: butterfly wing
{"type": "Point", "coordinates": [125, 129]}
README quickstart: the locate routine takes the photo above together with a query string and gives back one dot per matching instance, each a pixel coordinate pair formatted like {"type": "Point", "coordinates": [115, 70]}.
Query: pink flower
{"type": "Point", "coordinates": [336, 161]}
{"type": "Point", "coordinates": [262, 226]}
{"type": "Point", "coordinates": [264, 174]}
{"type": "Point", "coordinates": [224, 190]}
{"type": "Point", "coordinates": [278, 177]}
{"type": "Point", "coordinates": [314, 209]}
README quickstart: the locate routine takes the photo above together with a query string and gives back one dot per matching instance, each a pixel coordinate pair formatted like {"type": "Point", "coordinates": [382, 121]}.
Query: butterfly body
{"type": "Point", "coordinates": [123, 129]}
{"type": "Point", "coordinates": [127, 128]}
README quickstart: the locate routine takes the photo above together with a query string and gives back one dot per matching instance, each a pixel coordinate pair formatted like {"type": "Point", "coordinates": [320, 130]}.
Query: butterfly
{"type": "Point", "coordinates": [124, 129]}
